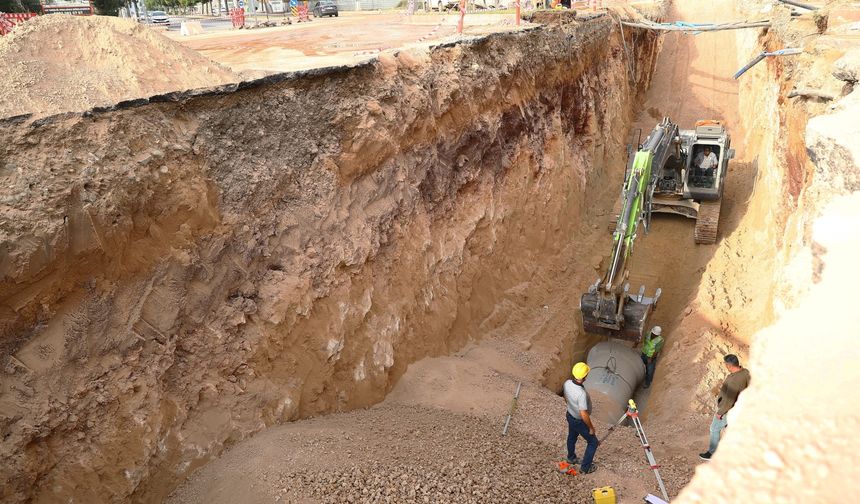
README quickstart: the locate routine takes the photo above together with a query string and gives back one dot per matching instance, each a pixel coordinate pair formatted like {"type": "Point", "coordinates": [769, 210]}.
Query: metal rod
{"type": "Point", "coordinates": [698, 28]}
{"type": "Point", "coordinates": [612, 428]}
{"type": "Point", "coordinates": [798, 4]}
{"type": "Point", "coordinates": [811, 93]}
{"type": "Point", "coordinates": [782, 52]}
{"type": "Point", "coordinates": [513, 408]}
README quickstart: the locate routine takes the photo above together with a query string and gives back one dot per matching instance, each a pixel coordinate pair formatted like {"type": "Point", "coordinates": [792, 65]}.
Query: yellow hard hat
{"type": "Point", "coordinates": [580, 370]}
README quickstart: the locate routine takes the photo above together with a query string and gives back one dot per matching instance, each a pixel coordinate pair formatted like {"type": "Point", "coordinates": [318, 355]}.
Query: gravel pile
{"type": "Point", "coordinates": [458, 459]}
{"type": "Point", "coordinates": [393, 453]}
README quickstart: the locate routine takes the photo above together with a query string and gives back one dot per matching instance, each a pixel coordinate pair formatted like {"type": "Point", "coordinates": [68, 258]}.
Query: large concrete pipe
{"type": "Point", "coordinates": [616, 371]}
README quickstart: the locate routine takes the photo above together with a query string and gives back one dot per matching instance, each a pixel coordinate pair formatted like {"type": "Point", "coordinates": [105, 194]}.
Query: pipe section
{"type": "Point", "coordinates": [616, 372]}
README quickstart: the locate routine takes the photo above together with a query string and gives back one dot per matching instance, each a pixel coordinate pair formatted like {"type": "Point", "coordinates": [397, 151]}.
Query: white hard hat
{"type": "Point", "coordinates": [656, 330]}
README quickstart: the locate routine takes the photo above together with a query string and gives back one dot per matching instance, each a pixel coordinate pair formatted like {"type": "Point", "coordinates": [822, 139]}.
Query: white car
{"type": "Point", "coordinates": [159, 18]}
{"type": "Point", "coordinates": [277, 6]}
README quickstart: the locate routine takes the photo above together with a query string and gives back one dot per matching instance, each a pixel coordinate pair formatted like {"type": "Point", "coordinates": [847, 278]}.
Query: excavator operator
{"type": "Point", "coordinates": [705, 162]}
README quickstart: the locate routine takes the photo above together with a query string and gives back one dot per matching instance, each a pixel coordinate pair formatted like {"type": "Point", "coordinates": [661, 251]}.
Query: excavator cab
{"type": "Point", "coordinates": [704, 178]}
{"type": "Point", "coordinates": [708, 141]}
{"type": "Point", "coordinates": [692, 186]}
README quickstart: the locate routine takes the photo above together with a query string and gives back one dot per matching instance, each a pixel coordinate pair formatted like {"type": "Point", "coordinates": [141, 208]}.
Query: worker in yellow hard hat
{"type": "Point", "coordinates": [579, 418]}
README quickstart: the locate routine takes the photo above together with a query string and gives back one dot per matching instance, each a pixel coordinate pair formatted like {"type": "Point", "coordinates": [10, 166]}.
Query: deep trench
{"type": "Point", "coordinates": [395, 222]}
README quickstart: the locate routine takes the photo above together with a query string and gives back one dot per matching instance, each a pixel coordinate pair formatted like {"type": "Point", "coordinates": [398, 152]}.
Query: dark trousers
{"type": "Point", "coordinates": [575, 428]}
{"type": "Point", "coordinates": [649, 368]}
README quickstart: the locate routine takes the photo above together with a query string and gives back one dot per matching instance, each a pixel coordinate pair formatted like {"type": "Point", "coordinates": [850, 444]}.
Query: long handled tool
{"type": "Point", "coordinates": [633, 413]}
{"type": "Point", "coordinates": [513, 409]}
{"type": "Point", "coordinates": [612, 428]}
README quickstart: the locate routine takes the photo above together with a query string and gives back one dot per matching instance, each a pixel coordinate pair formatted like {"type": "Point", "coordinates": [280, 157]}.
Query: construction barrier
{"type": "Point", "coordinates": [462, 15]}
{"type": "Point", "coordinates": [10, 19]}
{"type": "Point", "coordinates": [188, 28]}
{"type": "Point", "coordinates": [237, 17]}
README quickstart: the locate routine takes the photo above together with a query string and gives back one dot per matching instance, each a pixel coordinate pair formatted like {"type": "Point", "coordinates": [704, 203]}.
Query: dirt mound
{"type": "Point", "coordinates": [387, 454]}
{"type": "Point", "coordinates": [74, 63]}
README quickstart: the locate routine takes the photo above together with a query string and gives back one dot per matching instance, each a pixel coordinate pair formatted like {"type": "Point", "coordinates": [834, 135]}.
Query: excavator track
{"type": "Point", "coordinates": [707, 222]}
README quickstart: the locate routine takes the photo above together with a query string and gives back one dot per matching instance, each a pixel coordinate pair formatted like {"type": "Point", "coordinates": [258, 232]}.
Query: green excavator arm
{"type": "Point", "coordinates": [608, 308]}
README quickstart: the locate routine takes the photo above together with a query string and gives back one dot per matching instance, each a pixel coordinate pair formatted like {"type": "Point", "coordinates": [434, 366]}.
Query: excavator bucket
{"type": "Point", "coordinates": [600, 313]}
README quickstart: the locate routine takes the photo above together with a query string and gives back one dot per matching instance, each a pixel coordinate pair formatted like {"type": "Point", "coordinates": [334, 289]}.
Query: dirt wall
{"type": "Point", "coordinates": [761, 263]}
{"type": "Point", "coordinates": [775, 291]}
{"type": "Point", "coordinates": [179, 274]}
{"type": "Point", "coordinates": [802, 361]}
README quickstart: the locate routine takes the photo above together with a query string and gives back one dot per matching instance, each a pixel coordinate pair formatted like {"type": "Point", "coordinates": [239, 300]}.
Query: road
{"type": "Point", "coordinates": [332, 41]}
{"type": "Point", "coordinates": [208, 23]}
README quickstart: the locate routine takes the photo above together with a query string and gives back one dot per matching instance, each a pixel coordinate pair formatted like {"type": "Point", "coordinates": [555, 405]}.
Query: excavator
{"type": "Point", "coordinates": [674, 171]}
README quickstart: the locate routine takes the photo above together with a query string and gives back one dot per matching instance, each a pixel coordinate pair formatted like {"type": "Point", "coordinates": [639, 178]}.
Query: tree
{"type": "Point", "coordinates": [20, 6]}
{"type": "Point", "coordinates": [108, 7]}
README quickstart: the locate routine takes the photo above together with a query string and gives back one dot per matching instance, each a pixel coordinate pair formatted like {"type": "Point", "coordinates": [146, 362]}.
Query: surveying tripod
{"type": "Point", "coordinates": [633, 413]}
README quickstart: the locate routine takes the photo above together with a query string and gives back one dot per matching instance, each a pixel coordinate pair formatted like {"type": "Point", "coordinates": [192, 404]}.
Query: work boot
{"type": "Point", "coordinates": [591, 469]}
{"type": "Point", "coordinates": [573, 461]}
{"type": "Point", "coordinates": [705, 456]}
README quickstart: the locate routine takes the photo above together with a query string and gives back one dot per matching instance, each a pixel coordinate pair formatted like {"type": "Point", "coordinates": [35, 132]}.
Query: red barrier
{"type": "Point", "coordinates": [9, 20]}
{"type": "Point", "coordinates": [462, 15]}
{"type": "Point", "coordinates": [237, 16]}
{"type": "Point", "coordinates": [302, 12]}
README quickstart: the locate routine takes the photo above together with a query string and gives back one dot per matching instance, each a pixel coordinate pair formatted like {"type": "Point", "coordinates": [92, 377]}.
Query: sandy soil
{"type": "Point", "coordinates": [150, 323]}
{"type": "Point", "coordinates": [337, 41]}
{"type": "Point", "coordinates": [232, 277]}
{"type": "Point", "coordinates": [61, 63]}
{"type": "Point", "coordinates": [702, 287]}
{"type": "Point", "coordinates": [437, 436]}
{"type": "Point", "coordinates": [480, 381]}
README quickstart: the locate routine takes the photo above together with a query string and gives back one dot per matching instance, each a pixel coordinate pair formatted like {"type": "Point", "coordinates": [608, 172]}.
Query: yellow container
{"type": "Point", "coordinates": [605, 495]}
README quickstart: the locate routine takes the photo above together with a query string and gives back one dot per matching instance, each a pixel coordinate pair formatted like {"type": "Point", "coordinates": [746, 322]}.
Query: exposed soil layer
{"type": "Point", "coordinates": [186, 273]}
{"type": "Point", "coordinates": [179, 276]}
{"type": "Point", "coordinates": [716, 300]}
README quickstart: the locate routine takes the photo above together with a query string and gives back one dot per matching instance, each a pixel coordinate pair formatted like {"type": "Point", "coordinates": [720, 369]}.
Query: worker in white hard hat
{"type": "Point", "coordinates": [579, 419]}
{"type": "Point", "coordinates": [651, 347]}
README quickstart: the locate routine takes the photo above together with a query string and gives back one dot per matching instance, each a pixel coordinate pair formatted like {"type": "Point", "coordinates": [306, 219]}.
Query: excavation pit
{"type": "Point", "coordinates": [326, 285]}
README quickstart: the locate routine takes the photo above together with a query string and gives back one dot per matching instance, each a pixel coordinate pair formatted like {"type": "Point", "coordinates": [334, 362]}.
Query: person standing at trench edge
{"type": "Point", "coordinates": [579, 419]}
{"type": "Point", "coordinates": [650, 349]}
{"type": "Point", "coordinates": [735, 383]}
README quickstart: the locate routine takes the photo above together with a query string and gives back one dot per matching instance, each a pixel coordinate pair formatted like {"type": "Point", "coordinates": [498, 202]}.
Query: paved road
{"type": "Point", "coordinates": [216, 23]}
{"type": "Point", "coordinates": [209, 24]}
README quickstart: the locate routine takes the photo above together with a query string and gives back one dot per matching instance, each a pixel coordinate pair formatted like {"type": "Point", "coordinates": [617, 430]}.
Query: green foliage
{"type": "Point", "coordinates": [20, 6]}
{"type": "Point", "coordinates": [108, 7]}
{"type": "Point", "coordinates": [172, 5]}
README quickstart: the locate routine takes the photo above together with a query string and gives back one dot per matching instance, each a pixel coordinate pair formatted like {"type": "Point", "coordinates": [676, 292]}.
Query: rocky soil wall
{"type": "Point", "coordinates": [793, 434]}
{"type": "Point", "coordinates": [181, 272]}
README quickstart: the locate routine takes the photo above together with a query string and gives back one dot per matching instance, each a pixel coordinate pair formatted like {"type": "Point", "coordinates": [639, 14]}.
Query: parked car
{"type": "Point", "coordinates": [325, 8]}
{"type": "Point", "coordinates": [159, 18]}
{"type": "Point", "coordinates": [496, 4]}
{"type": "Point", "coordinates": [277, 6]}
{"type": "Point", "coordinates": [442, 5]}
